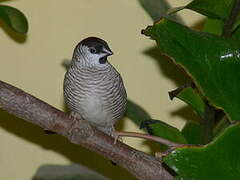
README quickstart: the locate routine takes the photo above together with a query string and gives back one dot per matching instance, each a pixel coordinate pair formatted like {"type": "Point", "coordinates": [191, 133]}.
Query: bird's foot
{"type": "Point", "coordinates": [116, 137]}
{"type": "Point", "coordinates": [75, 116]}
{"type": "Point", "coordinates": [75, 119]}
{"type": "Point", "coordinates": [110, 130]}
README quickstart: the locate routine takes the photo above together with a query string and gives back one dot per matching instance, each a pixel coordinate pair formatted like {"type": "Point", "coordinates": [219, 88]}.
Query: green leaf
{"type": "Point", "coordinates": [221, 126]}
{"type": "Point", "coordinates": [14, 18]}
{"type": "Point", "coordinates": [218, 160]}
{"type": "Point", "coordinates": [212, 61]}
{"type": "Point", "coordinates": [192, 133]}
{"type": "Point", "coordinates": [191, 97]}
{"type": "Point", "coordinates": [215, 9]}
{"type": "Point", "coordinates": [157, 9]}
{"type": "Point", "coordinates": [213, 26]}
{"type": "Point", "coordinates": [162, 129]}
{"type": "Point", "coordinates": [136, 113]}
{"type": "Point", "coordinates": [69, 172]}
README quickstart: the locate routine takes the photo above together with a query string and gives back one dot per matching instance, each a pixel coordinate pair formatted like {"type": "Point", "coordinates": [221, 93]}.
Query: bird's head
{"type": "Point", "coordinates": [92, 51]}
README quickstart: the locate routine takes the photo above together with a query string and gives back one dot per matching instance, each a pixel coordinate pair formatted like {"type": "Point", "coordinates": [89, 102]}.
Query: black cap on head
{"type": "Point", "coordinates": [96, 43]}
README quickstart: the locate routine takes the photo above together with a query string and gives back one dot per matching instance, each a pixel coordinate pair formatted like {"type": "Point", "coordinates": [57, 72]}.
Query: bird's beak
{"type": "Point", "coordinates": [108, 51]}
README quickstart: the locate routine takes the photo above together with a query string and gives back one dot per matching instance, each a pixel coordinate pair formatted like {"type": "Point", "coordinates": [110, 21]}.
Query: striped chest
{"type": "Point", "coordinates": [98, 95]}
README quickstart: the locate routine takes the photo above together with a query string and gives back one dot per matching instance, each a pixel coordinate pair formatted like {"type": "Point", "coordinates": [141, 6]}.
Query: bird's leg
{"type": "Point", "coordinates": [110, 130]}
{"type": "Point", "coordinates": [115, 135]}
{"type": "Point", "coordinates": [75, 117]}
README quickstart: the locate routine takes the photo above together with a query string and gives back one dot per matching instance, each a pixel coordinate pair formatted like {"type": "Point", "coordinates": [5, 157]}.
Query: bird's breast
{"type": "Point", "coordinates": [93, 109]}
{"type": "Point", "coordinates": [98, 96]}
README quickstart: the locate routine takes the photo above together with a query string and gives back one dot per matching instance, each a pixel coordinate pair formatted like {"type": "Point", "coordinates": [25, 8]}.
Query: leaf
{"type": "Point", "coordinates": [215, 9]}
{"type": "Point", "coordinates": [14, 18]}
{"type": "Point", "coordinates": [158, 9]}
{"type": "Point", "coordinates": [192, 133]}
{"type": "Point", "coordinates": [212, 61]}
{"type": "Point", "coordinates": [191, 97]}
{"type": "Point", "coordinates": [221, 126]}
{"type": "Point", "coordinates": [69, 172]}
{"type": "Point", "coordinates": [161, 129]}
{"type": "Point", "coordinates": [213, 26]}
{"type": "Point", "coordinates": [136, 113]}
{"type": "Point", "coordinates": [218, 160]}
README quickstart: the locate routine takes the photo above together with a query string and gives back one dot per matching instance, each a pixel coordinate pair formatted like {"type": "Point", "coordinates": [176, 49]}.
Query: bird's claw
{"type": "Point", "coordinates": [116, 137]}
{"type": "Point", "coordinates": [75, 116]}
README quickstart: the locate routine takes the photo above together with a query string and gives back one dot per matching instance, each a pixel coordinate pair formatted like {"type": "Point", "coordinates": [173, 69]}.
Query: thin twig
{"type": "Point", "coordinates": [149, 137]}
{"type": "Point", "coordinates": [229, 23]}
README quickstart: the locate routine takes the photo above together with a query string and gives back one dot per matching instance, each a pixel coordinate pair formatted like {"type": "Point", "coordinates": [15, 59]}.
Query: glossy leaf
{"type": "Point", "coordinates": [221, 126]}
{"type": "Point", "coordinates": [69, 172]}
{"type": "Point", "coordinates": [215, 9]}
{"type": "Point", "coordinates": [192, 133]}
{"type": "Point", "coordinates": [192, 130]}
{"type": "Point", "coordinates": [136, 113]}
{"type": "Point", "coordinates": [14, 18]}
{"type": "Point", "coordinates": [191, 97]}
{"type": "Point", "coordinates": [161, 129]}
{"type": "Point", "coordinates": [218, 160]}
{"type": "Point", "coordinates": [213, 26]}
{"type": "Point", "coordinates": [212, 61]}
{"type": "Point", "coordinates": [158, 9]}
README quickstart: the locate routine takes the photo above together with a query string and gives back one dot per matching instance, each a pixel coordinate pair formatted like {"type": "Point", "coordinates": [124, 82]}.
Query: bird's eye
{"type": "Point", "coordinates": [93, 50]}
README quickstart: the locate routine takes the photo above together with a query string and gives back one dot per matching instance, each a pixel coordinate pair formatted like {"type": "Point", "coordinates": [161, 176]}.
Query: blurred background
{"type": "Point", "coordinates": [34, 63]}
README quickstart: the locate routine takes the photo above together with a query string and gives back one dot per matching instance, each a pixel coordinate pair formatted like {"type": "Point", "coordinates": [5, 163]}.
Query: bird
{"type": "Point", "coordinates": [93, 89]}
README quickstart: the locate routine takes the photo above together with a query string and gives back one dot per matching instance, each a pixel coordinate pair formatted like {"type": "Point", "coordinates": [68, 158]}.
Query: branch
{"type": "Point", "coordinates": [33, 110]}
{"type": "Point", "coordinates": [229, 23]}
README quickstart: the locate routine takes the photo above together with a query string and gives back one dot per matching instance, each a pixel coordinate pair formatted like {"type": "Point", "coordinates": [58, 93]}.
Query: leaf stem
{"type": "Point", "coordinates": [229, 23]}
{"type": "Point", "coordinates": [207, 124]}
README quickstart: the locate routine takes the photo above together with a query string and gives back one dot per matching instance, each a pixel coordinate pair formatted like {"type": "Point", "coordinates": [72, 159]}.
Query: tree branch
{"type": "Point", "coordinates": [33, 110]}
{"type": "Point", "coordinates": [229, 23]}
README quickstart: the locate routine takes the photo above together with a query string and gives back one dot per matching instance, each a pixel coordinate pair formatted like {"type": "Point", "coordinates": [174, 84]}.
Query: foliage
{"type": "Point", "coordinates": [136, 113]}
{"type": "Point", "coordinates": [14, 18]}
{"type": "Point", "coordinates": [211, 59]}
{"type": "Point", "coordinates": [220, 159]}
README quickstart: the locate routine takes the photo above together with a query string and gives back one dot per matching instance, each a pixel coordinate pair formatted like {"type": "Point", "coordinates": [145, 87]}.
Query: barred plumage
{"type": "Point", "coordinates": [93, 89]}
